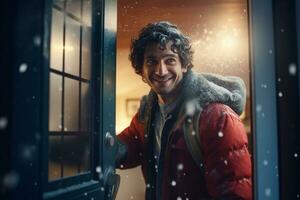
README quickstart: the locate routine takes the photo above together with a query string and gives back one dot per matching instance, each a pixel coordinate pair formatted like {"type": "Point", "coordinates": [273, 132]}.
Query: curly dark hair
{"type": "Point", "coordinates": [160, 33]}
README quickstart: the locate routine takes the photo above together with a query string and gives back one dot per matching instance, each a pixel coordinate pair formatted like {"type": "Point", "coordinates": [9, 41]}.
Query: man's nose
{"type": "Point", "coordinates": [161, 69]}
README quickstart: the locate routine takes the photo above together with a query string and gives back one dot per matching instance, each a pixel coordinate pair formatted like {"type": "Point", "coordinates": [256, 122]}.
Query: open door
{"type": "Point", "coordinates": [59, 114]}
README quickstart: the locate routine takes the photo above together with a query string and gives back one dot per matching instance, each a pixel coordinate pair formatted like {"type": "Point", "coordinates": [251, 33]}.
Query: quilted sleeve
{"type": "Point", "coordinates": [131, 137]}
{"type": "Point", "coordinates": [227, 162]}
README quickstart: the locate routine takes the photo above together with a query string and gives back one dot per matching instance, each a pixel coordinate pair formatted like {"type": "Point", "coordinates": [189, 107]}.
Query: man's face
{"type": "Point", "coordinates": [162, 70]}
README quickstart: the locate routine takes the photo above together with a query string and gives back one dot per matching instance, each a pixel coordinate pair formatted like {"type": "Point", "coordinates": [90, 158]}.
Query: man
{"type": "Point", "coordinates": [182, 104]}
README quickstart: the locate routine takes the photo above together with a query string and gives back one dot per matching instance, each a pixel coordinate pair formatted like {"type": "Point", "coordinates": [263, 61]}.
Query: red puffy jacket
{"type": "Point", "coordinates": [227, 163]}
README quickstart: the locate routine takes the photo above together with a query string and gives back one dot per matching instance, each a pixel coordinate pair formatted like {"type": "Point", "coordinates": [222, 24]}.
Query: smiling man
{"type": "Point", "coordinates": [187, 135]}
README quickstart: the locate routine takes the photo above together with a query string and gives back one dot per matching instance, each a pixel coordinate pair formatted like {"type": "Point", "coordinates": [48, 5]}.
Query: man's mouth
{"type": "Point", "coordinates": [162, 80]}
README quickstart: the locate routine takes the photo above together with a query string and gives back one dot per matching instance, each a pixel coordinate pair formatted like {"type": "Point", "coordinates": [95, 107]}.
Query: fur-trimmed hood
{"type": "Point", "coordinates": [205, 88]}
{"type": "Point", "coordinates": [208, 88]}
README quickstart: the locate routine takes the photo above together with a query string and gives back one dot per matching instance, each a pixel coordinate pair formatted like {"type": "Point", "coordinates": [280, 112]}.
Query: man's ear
{"type": "Point", "coordinates": [184, 69]}
{"type": "Point", "coordinates": [143, 78]}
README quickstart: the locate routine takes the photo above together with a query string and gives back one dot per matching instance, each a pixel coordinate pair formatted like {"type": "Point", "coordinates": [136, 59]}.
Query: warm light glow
{"type": "Point", "coordinates": [229, 42]}
{"type": "Point", "coordinates": [66, 48]}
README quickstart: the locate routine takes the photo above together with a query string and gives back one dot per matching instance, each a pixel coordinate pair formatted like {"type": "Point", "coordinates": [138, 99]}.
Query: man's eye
{"type": "Point", "coordinates": [150, 62]}
{"type": "Point", "coordinates": [170, 61]}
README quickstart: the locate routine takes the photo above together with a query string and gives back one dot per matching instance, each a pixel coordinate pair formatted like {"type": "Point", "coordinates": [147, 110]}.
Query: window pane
{"type": "Point", "coordinates": [86, 152]}
{"type": "Point", "coordinates": [74, 8]}
{"type": "Point", "coordinates": [86, 13]}
{"type": "Point", "coordinates": [55, 96]}
{"type": "Point", "coordinates": [55, 157]}
{"type": "Point", "coordinates": [71, 105]}
{"type": "Point", "coordinates": [72, 45]}
{"type": "Point", "coordinates": [86, 52]}
{"type": "Point", "coordinates": [76, 154]}
{"type": "Point", "coordinates": [59, 3]}
{"type": "Point", "coordinates": [56, 45]}
{"type": "Point", "coordinates": [85, 107]}
{"type": "Point", "coordinates": [70, 96]}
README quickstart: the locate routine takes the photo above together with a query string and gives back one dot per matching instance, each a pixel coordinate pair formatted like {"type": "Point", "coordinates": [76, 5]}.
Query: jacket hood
{"type": "Point", "coordinates": [203, 89]}
{"type": "Point", "coordinates": [207, 88]}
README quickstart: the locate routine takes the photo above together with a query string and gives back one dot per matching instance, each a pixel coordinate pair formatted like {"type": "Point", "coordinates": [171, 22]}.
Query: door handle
{"type": "Point", "coordinates": [112, 184]}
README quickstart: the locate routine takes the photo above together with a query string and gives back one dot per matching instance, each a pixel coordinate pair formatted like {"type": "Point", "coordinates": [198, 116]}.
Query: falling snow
{"type": "Point", "coordinates": [37, 40]}
{"type": "Point", "coordinates": [3, 123]}
{"type": "Point", "coordinates": [265, 162]}
{"type": "Point", "coordinates": [220, 134]}
{"type": "Point", "coordinates": [190, 108]}
{"type": "Point", "coordinates": [258, 108]}
{"type": "Point", "coordinates": [98, 169]}
{"type": "Point", "coordinates": [23, 68]}
{"type": "Point", "coordinates": [293, 69]}
{"type": "Point", "coordinates": [263, 85]}
{"type": "Point", "coordinates": [295, 155]}
{"type": "Point", "coordinates": [268, 192]}
{"type": "Point", "coordinates": [280, 94]}
{"type": "Point", "coordinates": [11, 180]}
{"type": "Point", "coordinates": [179, 198]}
{"type": "Point", "coordinates": [173, 183]}
{"type": "Point", "coordinates": [225, 162]}
{"type": "Point", "coordinates": [189, 120]}
{"type": "Point", "coordinates": [180, 166]}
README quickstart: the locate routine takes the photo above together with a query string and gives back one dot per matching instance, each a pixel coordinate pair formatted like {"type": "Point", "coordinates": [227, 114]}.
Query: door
{"type": "Point", "coordinates": [58, 121]}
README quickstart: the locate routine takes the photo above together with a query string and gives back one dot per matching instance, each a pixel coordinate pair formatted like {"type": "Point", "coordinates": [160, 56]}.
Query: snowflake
{"type": "Point", "coordinates": [23, 67]}
{"type": "Point", "coordinates": [268, 192]}
{"type": "Point", "coordinates": [3, 122]}
{"type": "Point", "coordinates": [258, 108]}
{"type": "Point", "coordinates": [220, 134]}
{"type": "Point", "coordinates": [295, 155]}
{"type": "Point", "coordinates": [180, 166]}
{"type": "Point", "coordinates": [293, 69]}
{"type": "Point", "coordinates": [173, 183]}
{"type": "Point", "coordinates": [98, 169]}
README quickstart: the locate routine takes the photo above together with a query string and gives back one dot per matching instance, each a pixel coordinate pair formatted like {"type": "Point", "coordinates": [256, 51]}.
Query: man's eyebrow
{"type": "Point", "coordinates": [164, 55]}
{"type": "Point", "coordinates": [170, 55]}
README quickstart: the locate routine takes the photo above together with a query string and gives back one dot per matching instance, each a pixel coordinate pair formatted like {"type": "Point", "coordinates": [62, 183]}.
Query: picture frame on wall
{"type": "Point", "coordinates": [132, 106]}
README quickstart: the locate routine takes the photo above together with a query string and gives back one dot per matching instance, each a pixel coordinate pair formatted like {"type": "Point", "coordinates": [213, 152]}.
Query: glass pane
{"type": "Point", "coordinates": [87, 13]}
{"type": "Point", "coordinates": [85, 107]}
{"type": "Point", "coordinates": [55, 157]}
{"type": "Point", "coordinates": [74, 8]}
{"type": "Point", "coordinates": [86, 52]}
{"type": "Point", "coordinates": [72, 44]}
{"type": "Point", "coordinates": [86, 151]}
{"type": "Point", "coordinates": [55, 96]}
{"type": "Point", "coordinates": [76, 154]}
{"type": "Point", "coordinates": [56, 44]}
{"type": "Point", "coordinates": [59, 3]}
{"type": "Point", "coordinates": [71, 105]}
